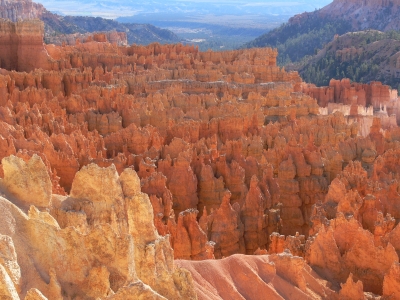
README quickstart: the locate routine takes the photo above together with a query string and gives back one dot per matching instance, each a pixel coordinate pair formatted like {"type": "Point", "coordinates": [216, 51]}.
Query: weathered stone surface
{"type": "Point", "coordinates": [126, 157]}
{"type": "Point", "coordinates": [226, 229]}
{"type": "Point", "coordinates": [20, 9]}
{"type": "Point", "coordinates": [273, 277]}
{"type": "Point", "coordinates": [351, 289]}
{"type": "Point", "coordinates": [102, 188]}
{"type": "Point", "coordinates": [391, 282]}
{"type": "Point", "coordinates": [113, 252]}
{"type": "Point", "coordinates": [34, 294]}
{"type": "Point", "coordinates": [21, 47]}
{"type": "Point", "coordinates": [7, 288]}
{"type": "Point", "coordinates": [8, 259]}
{"type": "Point", "coordinates": [190, 241]}
{"type": "Point", "coordinates": [254, 218]}
{"type": "Point", "coordinates": [28, 182]}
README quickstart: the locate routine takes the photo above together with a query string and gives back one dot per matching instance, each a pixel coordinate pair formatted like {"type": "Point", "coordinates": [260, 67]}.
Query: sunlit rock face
{"type": "Point", "coordinates": [106, 247]}
{"type": "Point", "coordinates": [15, 10]}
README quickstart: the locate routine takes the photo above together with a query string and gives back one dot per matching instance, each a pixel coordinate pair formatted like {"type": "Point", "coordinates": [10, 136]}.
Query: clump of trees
{"type": "Point", "coordinates": [295, 41]}
{"type": "Point", "coordinates": [371, 64]}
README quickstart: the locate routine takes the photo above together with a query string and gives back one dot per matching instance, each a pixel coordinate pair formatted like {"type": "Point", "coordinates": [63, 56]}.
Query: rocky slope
{"type": "Point", "coordinates": [307, 32]}
{"type": "Point", "coordinates": [56, 26]}
{"type": "Point", "coordinates": [20, 9]}
{"type": "Point", "coordinates": [374, 14]}
{"type": "Point", "coordinates": [126, 158]}
{"type": "Point", "coordinates": [255, 277]}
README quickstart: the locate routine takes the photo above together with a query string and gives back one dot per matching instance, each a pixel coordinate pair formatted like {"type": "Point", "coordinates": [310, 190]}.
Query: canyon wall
{"type": "Point", "coordinates": [343, 91]}
{"type": "Point", "coordinates": [21, 46]}
{"type": "Point", "coordinates": [353, 98]}
{"type": "Point", "coordinates": [17, 10]}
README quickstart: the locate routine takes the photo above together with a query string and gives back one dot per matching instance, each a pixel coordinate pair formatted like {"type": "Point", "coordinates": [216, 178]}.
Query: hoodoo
{"type": "Point", "coordinates": [163, 172]}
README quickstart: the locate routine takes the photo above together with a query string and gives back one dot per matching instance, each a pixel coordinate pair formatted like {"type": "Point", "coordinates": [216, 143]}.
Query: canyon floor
{"type": "Point", "coordinates": [163, 172]}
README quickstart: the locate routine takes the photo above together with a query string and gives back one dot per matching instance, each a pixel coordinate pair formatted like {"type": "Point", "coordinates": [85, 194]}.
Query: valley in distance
{"type": "Point", "coordinates": [135, 165]}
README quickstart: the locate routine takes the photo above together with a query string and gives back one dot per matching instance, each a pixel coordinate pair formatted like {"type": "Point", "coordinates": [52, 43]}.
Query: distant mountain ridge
{"type": "Point", "coordinates": [136, 33]}
{"type": "Point", "coordinates": [305, 33]}
{"type": "Point", "coordinates": [55, 25]}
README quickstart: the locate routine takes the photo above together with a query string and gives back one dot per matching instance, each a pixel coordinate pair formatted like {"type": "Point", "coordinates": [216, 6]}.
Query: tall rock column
{"type": "Point", "coordinates": [226, 229]}
{"type": "Point", "coordinates": [291, 214]}
{"type": "Point", "coordinates": [190, 241]}
{"type": "Point", "coordinates": [154, 257]}
{"type": "Point", "coordinates": [254, 218]}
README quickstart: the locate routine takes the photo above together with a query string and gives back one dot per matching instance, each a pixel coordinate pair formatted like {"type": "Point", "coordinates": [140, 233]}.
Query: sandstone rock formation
{"type": "Point", "coordinates": [126, 157]}
{"type": "Point", "coordinates": [359, 102]}
{"type": "Point", "coordinates": [119, 251]}
{"type": "Point", "coordinates": [15, 10]}
{"type": "Point", "coordinates": [21, 46]}
{"type": "Point", "coordinates": [113, 37]}
{"type": "Point", "coordinates": [28, 182]}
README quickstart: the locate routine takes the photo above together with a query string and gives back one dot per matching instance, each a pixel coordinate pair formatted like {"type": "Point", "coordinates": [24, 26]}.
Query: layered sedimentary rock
{"type": "Point", "coordinates": [360, 102]}
{"type": "Point", "coordinates": [132, 151]}
{"type": "Point", "coordinates": [15, 10]}
{"type": "Point", "coordinates": [113, 37]}
{"type": "Point", "coordinates": [21, 46]}
{"type": "Point", "coordinates": [343, 91]}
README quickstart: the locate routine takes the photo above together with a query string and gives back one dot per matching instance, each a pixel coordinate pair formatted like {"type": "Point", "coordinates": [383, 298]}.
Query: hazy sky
{"type": "Point", "coordinates": [115, 8]}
